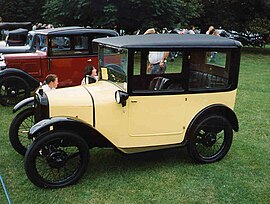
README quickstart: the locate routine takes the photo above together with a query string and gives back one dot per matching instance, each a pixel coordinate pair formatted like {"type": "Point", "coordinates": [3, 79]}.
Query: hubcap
{"type": "Point", "coordinates": [209, 140]}
{"type": "Point", "coordinates": [57, 159]}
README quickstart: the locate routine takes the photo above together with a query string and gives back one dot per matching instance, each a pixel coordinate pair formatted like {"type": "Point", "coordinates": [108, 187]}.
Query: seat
{"type": "Point", "coordinates": [158, 83]}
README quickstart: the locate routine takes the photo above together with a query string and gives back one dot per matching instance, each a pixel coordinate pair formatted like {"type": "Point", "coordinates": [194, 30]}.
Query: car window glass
{"type": "Point", "coordinates": [81, 44]}
{"type": "Point", "coordinates": [157, 71]}
{"type": "Point", "coordinates": [113, 65]}
{"type": "Point", "coordinates": [40, 43]}
{"type": "Point", "coordinates": [137, 63]}
{"type": "Point", "coordinates": [209, 70]}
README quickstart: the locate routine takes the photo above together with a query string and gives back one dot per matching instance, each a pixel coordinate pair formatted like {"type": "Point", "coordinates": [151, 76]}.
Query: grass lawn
{"type": "Point", "coordinates": [167, 176]}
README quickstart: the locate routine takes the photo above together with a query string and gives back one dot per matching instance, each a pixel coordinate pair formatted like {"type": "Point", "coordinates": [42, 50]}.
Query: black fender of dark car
{"type": "Point", "coordinates": [31, 81]}
{"type": "Point", "coordinates": [28, 102]}
{"type": "Point", "coordinates": [217, 109]}
{"type": "Point", "coordinates": [83, 129]}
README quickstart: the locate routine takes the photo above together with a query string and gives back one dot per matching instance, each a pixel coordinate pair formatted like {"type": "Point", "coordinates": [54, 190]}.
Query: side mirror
{"type": "Point", "coordinates": [121, 97]}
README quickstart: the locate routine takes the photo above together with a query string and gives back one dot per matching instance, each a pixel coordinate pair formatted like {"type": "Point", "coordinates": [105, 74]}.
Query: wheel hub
{"type": "Point", "coordinates": [209, 140]}
{"type": "Point", "coordinates": [57, 159]}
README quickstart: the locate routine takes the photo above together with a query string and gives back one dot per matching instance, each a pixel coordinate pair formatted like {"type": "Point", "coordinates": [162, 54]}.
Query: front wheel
{"type": "Point", "coordinates": [13, 89]}
{"type": "Point", "coordinates": [211, 139]}
{"type": "Point", "coordinates": [56, 159]}
{"type": "Point", "coordinates": [19, 129]}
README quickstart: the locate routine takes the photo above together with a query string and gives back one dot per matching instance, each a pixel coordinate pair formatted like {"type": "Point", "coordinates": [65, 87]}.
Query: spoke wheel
{"type": "Point", "coordinates": [13, 89]}
{"type": "Point", "coordinates": [211, 139]}
{"type": "Point", "coordinates": [19, 128]}
{"type": "Point", "coordinates": [56, 159]}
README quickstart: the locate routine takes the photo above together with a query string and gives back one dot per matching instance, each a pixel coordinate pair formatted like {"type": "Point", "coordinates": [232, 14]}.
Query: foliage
{"type": "Point", "coordinates": [130, 15]}
{"type": "Point", "coordinates": [19, 10]}
{"type": "Point", "coordinates": [239, 15]}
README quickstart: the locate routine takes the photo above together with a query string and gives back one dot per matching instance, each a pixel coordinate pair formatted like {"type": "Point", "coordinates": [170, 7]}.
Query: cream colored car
{"type": "Point", "coordinates": [189, 103]}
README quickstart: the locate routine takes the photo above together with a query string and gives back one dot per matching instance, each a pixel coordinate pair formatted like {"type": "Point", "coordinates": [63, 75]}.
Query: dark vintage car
{"type": "Point", "coordinates": [63, 51]}
{"type": "Point", "coordinates": [27, 47]}
{"type": "Point", "coordinates": [133, 110]}
{"type": "Point", "coordinates": [17, 37]}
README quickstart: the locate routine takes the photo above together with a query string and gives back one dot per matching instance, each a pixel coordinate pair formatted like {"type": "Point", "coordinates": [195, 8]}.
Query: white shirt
{"type": "Point", "coordinates": [46, 88]}
{"type": "Point", "coordinates": [155, 57]}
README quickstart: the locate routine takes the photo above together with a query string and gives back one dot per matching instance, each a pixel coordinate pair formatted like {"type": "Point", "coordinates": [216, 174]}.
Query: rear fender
{"type": "Point", "coordinates": [217, 109]}
{"type": "Point", "coordinates": [86, 131]}
{"type": "Point", "coordinates": [24, 103]}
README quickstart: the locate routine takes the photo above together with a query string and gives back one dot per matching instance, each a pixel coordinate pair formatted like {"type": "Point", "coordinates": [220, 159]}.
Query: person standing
{"type": "Point", "coordinates": [210, 30]}
{"type": "Point", "coordinates": [157, 59]}
{"type": "Point", "coordinates": [191, 29]}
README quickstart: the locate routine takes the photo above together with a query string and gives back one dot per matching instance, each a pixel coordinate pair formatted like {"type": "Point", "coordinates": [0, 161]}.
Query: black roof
{"type": "Point", "coordinates": [21, 31]}
{"type": "Point", "coordinates": [155, 41]}
{"type": "Point", "coordinates": [14, 25]}
{"type": "Point", "coordinates": [74, 30]}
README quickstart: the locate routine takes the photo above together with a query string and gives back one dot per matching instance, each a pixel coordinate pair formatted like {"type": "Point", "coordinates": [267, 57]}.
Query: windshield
{"type": "Point", "coordinates": [30, 38]}
{"type": "Point", "coordinates": [113, 65]}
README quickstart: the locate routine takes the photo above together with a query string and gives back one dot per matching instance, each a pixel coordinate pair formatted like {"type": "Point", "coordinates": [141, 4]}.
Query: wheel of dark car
{"type": "Point", "coordinates": [56, 159]}
{"type": "Point", "coordinates": [211, 139]}
{"type": "Point", "coordinates": [19, 128]}
{"type": "Point", "coordinates": [12, 90]}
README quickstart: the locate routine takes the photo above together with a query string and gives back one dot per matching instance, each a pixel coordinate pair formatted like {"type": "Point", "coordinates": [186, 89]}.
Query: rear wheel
{"type": "Point", "coordinates": [56, 159]}
{"type": "Point", "coordinates": [13, 89]}
{"type": "Point", "coordinates": [211, 139]}
{"type": "Point", "coordinates": [19, 128]}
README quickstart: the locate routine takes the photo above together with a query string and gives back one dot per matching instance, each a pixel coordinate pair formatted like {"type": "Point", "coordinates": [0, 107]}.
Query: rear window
{"type": "Point", "coordinates": [209, 70]}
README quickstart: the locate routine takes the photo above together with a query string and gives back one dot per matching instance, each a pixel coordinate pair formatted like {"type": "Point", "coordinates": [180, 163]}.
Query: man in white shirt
{"type": "Point", "coordinates": [51, 83]}
{"type": "Point", "coordinates": [157, 60]}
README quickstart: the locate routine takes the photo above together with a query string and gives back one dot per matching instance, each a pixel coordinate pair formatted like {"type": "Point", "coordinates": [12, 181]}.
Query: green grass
{"type": "Point", "coordinates": [168, 176]}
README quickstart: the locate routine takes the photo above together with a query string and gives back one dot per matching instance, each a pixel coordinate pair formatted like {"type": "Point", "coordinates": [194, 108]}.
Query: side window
{"type": "Point", "coordinates": [60, 45]}
{"type": "Point", "coordinates": [40, 43]}
{"type": "Point", "coordinates": [81, 45]}
{"type": "Point", "coordinates": [157, 71]}
{"type": "Point", "coordinates": [209, 70]}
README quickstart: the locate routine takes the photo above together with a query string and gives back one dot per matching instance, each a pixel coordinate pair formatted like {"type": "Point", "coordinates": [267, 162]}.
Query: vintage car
{"type": "Point", "coordinates": [28, 47]}
{"type": "Point", "coordinates": [132, 111]}
{"type": "Point", "coordinates": [8, 26]}
{"type": "Point", "coordinates": [63, 51]}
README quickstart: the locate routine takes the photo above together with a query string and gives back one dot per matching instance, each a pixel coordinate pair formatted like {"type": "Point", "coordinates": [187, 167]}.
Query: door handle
{"type": "Point", "coordinates": [49, 64]}
{"type": "Point", "coordinates": [134, 101]}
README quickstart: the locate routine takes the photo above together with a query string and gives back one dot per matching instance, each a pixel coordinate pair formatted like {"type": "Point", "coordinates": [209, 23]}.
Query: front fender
{"type": "Point", "coordinates": [25, 102]}
{"type": "Point", "coordinates": [33, 83]}
{"type": "Point", "coordinates": [46, 124]}
{"type": "Point", "coordinates": [85, 130]}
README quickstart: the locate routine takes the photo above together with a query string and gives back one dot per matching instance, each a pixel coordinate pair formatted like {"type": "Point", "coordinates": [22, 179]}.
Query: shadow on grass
{"type": "Point", "coordinates": [109, 161]}
{"type": "Point", "coordinates": [256, 50]}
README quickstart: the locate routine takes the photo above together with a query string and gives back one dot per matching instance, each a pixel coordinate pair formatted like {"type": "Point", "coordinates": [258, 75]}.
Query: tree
{"type": "Point", "coordinates": [129, 14]}
{"type": "Point", "coordinates": [240, 15]}
{"type": "Point", "coordinates": [18, 10]}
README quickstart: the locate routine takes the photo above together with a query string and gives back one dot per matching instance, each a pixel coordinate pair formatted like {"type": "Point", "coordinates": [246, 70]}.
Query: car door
{"type": "Point", "coordinates": [157, 106]}
{"type": "Point", "coordinates": [156, 115]}
{"type": "Point", "coordinates": [68, 57]}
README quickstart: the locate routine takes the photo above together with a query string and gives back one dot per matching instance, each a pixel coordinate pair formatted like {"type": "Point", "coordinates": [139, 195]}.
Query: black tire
{"type": "Point", "coordinates": [13, 89]}
{"type": "Point", "coordinates": [56, 159]}
{"type": "Point", "coordinates": [211, 139]}
{"type": "Point", "coordinates": [19, 128]}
